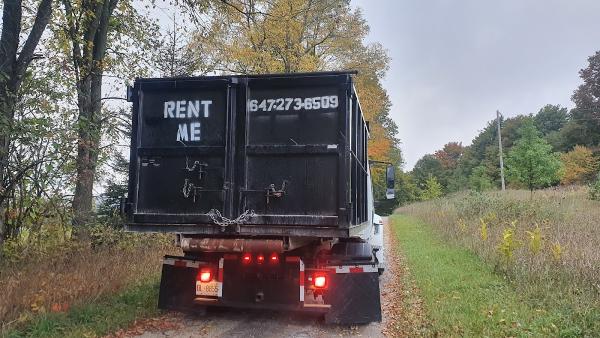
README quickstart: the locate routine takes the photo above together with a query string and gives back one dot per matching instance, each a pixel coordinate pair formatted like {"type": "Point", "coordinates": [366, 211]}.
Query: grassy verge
{"type": "Point", "coordinates": [95, 319]}
{"type": "Point", "coordinates": [462, 294]}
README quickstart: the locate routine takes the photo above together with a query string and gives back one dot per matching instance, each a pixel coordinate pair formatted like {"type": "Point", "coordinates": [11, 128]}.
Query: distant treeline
{"type": "Point", "coordinates": [551, 147]}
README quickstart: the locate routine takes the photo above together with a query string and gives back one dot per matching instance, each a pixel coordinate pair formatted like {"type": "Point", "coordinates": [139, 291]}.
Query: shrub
{"type": "Point", "coordinates": [433, 189]}
{"type": "Point", "coordinates": [595, 189]}
{"type": "Point", "coordinates": [580, 165]}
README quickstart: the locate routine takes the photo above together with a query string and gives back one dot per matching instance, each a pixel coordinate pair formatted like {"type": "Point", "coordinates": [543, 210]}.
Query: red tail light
{"type": "Point", "coordinates": [260, 258]}
{"type": "Point", "coordinates": [320, 281]}
{"type": "Point", "coordinates": [205, 275]}
{"type": "Point", "coordinates": [274, 259]}
{"type": "Point", "coordinates": [246, 258]}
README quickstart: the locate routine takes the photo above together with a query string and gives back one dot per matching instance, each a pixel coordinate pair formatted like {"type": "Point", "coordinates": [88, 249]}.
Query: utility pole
{"type": "Point", "coordinates": [500, 147]}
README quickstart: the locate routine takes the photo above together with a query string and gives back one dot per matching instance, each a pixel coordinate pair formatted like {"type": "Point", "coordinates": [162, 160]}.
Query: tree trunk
{"type": "Point", "coordinates": [7, 106]}
{"type": "Point", "coordinates": [89, 124]}
{"type": "Point", "coordinates": [89, 127]}
{"type": "Point", "coordinates": [11, 28]}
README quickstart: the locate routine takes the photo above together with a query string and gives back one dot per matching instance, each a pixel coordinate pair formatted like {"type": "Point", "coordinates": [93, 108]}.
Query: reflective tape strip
{"type": "Point", "coordinates": [301, 281]}
{"type": "Point", "coordinates": [220, 278]}
{"type": "Point", "coordinates": [181, 263]}
{"type": "Point", "coordinates": [353, 268]}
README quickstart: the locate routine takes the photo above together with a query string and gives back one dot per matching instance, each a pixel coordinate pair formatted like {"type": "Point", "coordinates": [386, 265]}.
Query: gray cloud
{"type": "Point", "coordinates": [454, 62]}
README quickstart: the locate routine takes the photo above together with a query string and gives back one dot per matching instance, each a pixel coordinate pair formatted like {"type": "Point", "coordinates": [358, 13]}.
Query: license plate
{"type": "Point", "coordinates": [207, 289]}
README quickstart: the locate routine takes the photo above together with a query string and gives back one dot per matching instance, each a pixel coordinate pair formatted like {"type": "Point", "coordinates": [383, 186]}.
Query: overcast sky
{"type": "Point", "coordinates": [454, 62]}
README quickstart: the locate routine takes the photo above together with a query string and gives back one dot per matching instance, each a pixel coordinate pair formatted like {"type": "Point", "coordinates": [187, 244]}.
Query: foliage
{"type": "Point", "coordinates": [580, 166]}
{"type": "Point", "coordinates": [550, 118]}
{"type": "Point", "coordinates": [16, 56]}
{"type": "Point", "coordinates": [175, 57]}
{"type": "Point", "coordinates": [89, 39]}
{"type": "Point", "coordinates": [40, 151]}
{"type": "Point", "coordinates": [531, 161]}
{"type": "Point", "coordinates": [587, 102]}
{"type": "Point", "coordinates": [479, 180]}
{"type": "Point", "coordinates": [535, 240]}
{"type": "Point", "coordinates": [557, 251]}
{"type": "Point", "coordinates": [426, 167]}
{"type": "Point", "coordinates": [449, 155]}
{"type": "Point", "coordinates": [508, 244]}
{"type": "Point", "coordinates": [406, 188]}
{"type": "Point", "coordinates": [595, 189]}
{"type": "Point", "coordinates": [483, 229]}
{"type": "Point", "coordinates": [433, 189]}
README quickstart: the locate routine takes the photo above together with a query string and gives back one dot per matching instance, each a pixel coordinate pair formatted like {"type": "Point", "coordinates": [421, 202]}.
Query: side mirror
{"type": "Point", "coordinates": [390, 182]}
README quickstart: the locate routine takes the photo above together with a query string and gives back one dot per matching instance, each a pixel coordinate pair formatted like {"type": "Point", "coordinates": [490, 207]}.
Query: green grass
{"type": "Point", "coordinates": [95, 319]}
{"type": "Point", "coordinates": [462, 294]}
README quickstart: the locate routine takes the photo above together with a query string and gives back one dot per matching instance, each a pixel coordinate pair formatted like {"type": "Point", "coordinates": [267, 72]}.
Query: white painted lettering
{"type": "Point", "coordinates": [195, 131]}
{"type": "Point", "coordinates": [169, 106]}
{"type": "Point", "coordinates": [182, 132]}
{"type": "Point", "coordinates": [206, 104]}
{"type": "Point", "coordinates": [193, 109]}
{"type": "Point", "coordinates": [180, 111]}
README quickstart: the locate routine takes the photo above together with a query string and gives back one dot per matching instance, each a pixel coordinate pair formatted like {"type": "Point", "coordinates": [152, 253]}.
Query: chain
{"type": "Point", "coordinates": [218, 219]}
{"type": "Point", "coordinates": [187, 188]}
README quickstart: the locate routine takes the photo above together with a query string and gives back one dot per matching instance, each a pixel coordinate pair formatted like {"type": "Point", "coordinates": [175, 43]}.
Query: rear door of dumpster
{"type": "Point", "coordinates": [182, 144]}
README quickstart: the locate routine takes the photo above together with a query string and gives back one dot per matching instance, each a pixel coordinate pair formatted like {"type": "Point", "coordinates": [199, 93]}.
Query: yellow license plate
{"type": "Point", "coordinates": [207, 289]}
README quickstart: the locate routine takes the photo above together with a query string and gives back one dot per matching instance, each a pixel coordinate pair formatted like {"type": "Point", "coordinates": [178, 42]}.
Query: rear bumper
{"type": "Point", "coordinates": [351, 297]}
{"type": "Point", "coordinates": [247, 305]}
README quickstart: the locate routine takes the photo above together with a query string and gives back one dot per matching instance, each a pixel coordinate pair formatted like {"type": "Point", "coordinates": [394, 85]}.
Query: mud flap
{"type": "Point", "coordinates": [177, 288]}
{"type": "Point", "coordinates": [354, 298]}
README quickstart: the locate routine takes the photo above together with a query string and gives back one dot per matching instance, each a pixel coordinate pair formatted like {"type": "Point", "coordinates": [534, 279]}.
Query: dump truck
{"type": "Point", "coordinates": [266, 182]}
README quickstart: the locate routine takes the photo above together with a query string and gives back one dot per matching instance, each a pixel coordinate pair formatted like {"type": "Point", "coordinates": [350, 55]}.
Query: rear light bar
{"type": "Point", "coordinates": [261, 258]}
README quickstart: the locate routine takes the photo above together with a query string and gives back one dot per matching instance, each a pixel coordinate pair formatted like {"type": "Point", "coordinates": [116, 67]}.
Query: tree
{"type": "Point", "coordinates": [13, 66]}
{"type": "Point", "coordinates": [479, 180]}
{"type": "Point", "coordinates": [531, 161]}
{"type": "Point", "coordinates": [39, 166]}
{"type": "Point", "coordinates": [174, 57]}
{"type": "Point", "coordinates": [96, 36]}
{"type": "Point", "coordinates": [586, 97]}
{"type": "Point", "coordinates": [550, 118]}
{"type": "Point", "coordinates": [87, 28]}
{"type": "Point", "coordinates": [450, 154]}
{"type": "Point", "coordinates": [433, 189]}
{"type": "Point", "coordinates": [580, 166]}
{"type": "Point", "coordinates": [426, 167]}
{"type": "Point", "coordinates": [406, 189]}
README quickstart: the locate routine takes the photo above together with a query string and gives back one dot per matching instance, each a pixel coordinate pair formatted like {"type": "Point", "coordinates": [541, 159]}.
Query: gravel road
{"type": "Point", "coordinates": [230, 323]}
